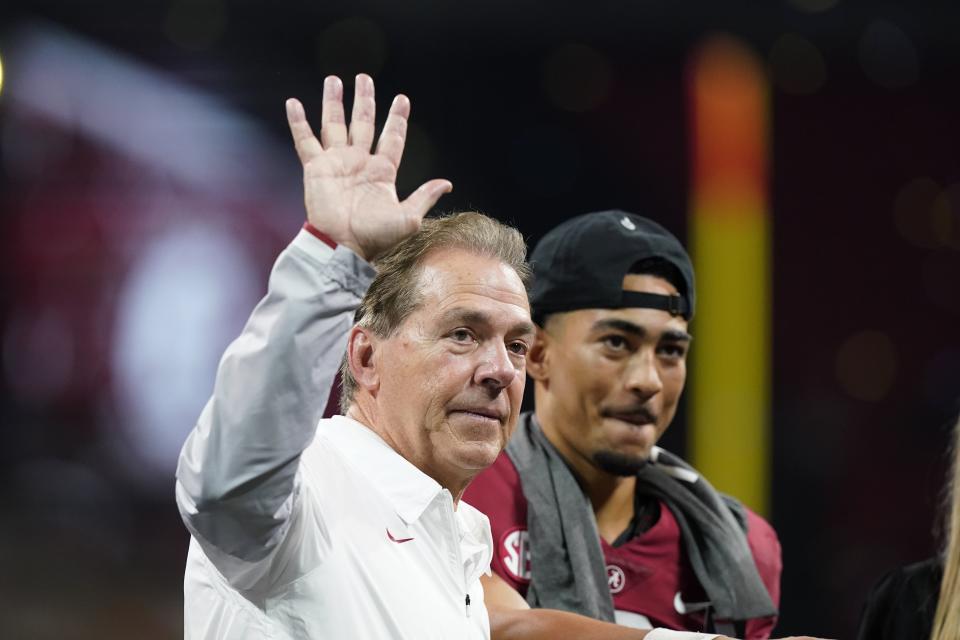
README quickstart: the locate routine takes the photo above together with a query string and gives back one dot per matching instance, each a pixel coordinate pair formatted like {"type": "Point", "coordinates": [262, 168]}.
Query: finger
{"type": "Point", "coordinates": [333, 128]}
{"type": "Point", "coordinates": [422, 200]}
{"type": "Point", "coordinates": [304, 141]}
{"type": "Point", "coordinates": [394, 134]}
{"type": "Point", "coordinates": [364, 112]}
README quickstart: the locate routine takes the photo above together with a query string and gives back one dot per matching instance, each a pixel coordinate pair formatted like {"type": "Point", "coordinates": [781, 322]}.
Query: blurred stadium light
{"type": "Point", "coordinates": [162, 176]}
{"type": "Point", "coordinates": [196, 139]}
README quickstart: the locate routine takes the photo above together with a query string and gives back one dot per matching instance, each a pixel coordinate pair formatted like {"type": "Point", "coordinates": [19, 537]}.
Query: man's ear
{"type": "Point", "coordinates": [538, 358]}
{"type": "Point", "coordinates": [361, 346]}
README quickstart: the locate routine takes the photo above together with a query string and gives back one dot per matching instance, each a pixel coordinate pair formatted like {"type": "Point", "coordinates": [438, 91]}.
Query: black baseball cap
{"type": "Point", "coordinates": [581, 264]}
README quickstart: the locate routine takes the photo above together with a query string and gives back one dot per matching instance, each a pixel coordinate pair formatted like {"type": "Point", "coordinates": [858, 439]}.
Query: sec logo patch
{"type": "Point", "coordinates": [515, 553]}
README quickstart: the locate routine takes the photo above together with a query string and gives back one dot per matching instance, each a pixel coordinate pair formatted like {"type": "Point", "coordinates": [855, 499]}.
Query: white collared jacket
{"type": "Point", "coordinates": [307, 528]}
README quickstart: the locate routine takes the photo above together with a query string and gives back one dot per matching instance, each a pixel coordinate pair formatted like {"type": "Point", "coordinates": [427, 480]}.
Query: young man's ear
{"type": "Point", "coordinates": [361, 346]}
{"type": "Point", "coordinates": [538, 358]}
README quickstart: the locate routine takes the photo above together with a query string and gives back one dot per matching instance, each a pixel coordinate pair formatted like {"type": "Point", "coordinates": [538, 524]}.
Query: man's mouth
{"type": "Point", "coordinates": [481, 412]}
{"type": "Point", "coordinates": [637, 418]}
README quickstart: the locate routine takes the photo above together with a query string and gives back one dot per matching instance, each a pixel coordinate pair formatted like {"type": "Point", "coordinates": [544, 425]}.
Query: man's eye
{"type": "Point", "coordinates": [673, 350]}
{"type": "Point", "coordinates": [615, 342]}
{"type": "Point", "coordinates": [518, 348]}
{"type": "Point", "coordinates": [462, 335]}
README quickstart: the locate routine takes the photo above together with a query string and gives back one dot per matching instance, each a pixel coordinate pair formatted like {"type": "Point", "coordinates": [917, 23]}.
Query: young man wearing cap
{"type": "Point", "coordinates": [588, 515]}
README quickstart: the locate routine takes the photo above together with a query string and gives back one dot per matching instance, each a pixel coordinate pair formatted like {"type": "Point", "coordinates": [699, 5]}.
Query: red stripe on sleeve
{"type": "Point", "coordinates": [327, 240]}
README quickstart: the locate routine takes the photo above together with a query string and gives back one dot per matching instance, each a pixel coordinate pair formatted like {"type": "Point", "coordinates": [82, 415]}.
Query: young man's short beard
{"type": "Point", "coordinates": [618, 464]}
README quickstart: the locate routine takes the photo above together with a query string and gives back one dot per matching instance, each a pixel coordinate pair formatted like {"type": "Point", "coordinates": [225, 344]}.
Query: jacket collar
{"type": "Point", "coordinates": [408, 488]}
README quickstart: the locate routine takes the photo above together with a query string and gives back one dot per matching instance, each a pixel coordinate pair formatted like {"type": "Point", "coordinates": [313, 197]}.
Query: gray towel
{"type": "Point", "coordinates": [568, 568]}
{"type": "Point", "coordinates": [713, 528]}
{"type": "Point", "coordinates": [569, 572]}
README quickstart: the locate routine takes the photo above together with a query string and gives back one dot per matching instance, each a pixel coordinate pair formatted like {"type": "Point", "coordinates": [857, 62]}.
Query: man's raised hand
{"type": "Point", "coordinates": [350, 193]}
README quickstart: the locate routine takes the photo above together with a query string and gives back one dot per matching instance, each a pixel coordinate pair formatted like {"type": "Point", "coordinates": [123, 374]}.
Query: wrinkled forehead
{"type": "Point", "coordinates": [448, 276]}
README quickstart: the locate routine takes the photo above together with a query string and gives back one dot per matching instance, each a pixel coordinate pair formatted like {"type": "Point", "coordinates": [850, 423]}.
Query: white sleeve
{"type": "Point", "coordinates": [237, 477]}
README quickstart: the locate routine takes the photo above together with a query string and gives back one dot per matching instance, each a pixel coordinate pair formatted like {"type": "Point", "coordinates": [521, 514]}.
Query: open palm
{"type": "Point", "coordinates": [350, 193]}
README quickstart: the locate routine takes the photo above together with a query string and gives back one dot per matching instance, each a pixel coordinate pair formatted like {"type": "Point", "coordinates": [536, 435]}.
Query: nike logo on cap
{"type": "Point", "coordinates": [397, 540]}
{"type": "Point", "coordinates": [628, 223]}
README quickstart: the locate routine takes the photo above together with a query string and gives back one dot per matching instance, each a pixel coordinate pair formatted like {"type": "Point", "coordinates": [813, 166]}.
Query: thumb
{"type": "Point", "coordinates": [422, 200]}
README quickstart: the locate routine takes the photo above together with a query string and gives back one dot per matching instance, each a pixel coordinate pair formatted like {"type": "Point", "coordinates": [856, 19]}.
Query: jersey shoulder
{"type": "Point", "coordinates": [498, 493]}
{"type": "Point", "coordinates": [765, 547]}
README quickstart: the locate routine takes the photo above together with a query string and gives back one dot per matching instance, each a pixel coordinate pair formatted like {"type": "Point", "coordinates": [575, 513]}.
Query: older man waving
{"type": "Point", "coordinates": [353, 527]}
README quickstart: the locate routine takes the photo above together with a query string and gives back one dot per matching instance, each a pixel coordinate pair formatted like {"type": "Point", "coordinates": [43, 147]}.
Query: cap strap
{"type": "Point", "coordinates": [674, 305]}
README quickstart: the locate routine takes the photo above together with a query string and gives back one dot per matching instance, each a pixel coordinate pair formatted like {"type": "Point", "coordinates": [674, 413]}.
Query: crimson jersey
{"type": "Point", "coordinates": [650, 579]}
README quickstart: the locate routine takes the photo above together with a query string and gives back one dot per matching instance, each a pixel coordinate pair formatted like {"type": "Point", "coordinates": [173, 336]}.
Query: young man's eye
{"type": "Point", "coordinates": [673, 350]}
{"type": "Point", "coordinates": [618, 343]}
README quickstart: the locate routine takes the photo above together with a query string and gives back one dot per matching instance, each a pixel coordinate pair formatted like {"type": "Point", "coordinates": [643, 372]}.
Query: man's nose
{"type": "Point", "coordinates": [642, 375]}
{"type": "Point", "coordinates": [496, 369]}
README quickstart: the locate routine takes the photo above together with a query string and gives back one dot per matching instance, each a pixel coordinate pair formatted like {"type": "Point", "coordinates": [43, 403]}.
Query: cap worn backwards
{"type": "Point", "coordinates": [581, 264]}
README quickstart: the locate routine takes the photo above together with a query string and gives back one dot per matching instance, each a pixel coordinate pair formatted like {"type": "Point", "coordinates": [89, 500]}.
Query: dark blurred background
{"type": "Point", "coordinates": [147, 184]}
